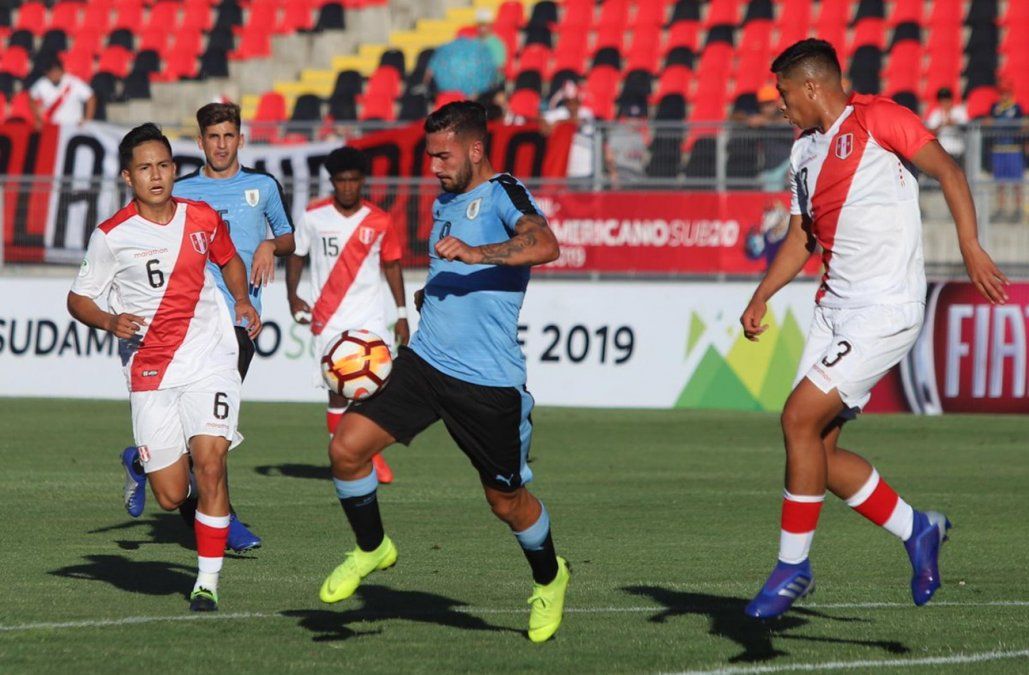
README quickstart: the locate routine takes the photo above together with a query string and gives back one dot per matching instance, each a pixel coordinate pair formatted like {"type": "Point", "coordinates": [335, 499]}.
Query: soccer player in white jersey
{"type": "Point", "coordinates": [175, 338]}
{"type": "Point", "coordinates": [855, 195]}
{"type": "Point", "coordinates": [353, 247]}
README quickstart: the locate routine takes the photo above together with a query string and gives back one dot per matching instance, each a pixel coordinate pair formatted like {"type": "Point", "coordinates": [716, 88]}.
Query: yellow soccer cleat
{"type": "Point", "coordinates": [548, 603]}
{"type": "Point", "coordinates": [345, 579]}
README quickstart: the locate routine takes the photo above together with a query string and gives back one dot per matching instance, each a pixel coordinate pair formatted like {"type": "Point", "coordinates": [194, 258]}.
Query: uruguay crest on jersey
{"type": "Point", "coordinates": [252, 196]}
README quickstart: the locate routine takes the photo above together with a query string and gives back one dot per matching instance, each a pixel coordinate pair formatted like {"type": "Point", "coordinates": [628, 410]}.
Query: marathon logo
{"type": "Point", "coordinates": [149, 373]}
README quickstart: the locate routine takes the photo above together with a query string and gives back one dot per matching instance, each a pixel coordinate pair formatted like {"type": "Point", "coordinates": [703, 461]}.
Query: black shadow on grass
{"type": "Point", "coordinates": [384, 604]}
{"type": "Point", "coordinates": [160, 528]}
{"type": "Point", "coordinates": [319, 472]}
{"type": "Point", "coordinates": [146, 577]}
{"type": "Point", "coordinates": [755, 637]}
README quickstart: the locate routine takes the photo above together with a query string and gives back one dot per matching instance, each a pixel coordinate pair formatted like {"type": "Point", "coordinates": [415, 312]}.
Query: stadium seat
{"type": "Point", "coordinates": [23, 39]}
{"type": "Point", "coordinates": [680, 56]}
{"type": "Point", "coordinates": [980, 100]}
{"type": "Point", "coordinates": [221, 38]}
{"type": "Point", "coordinates": [105, 89]}
{"type": "Point", "coordinates": [254, 42]}
{"type": "Point", "coordinates": [394, 58]}
{"type": "Point", "coordinates": [7, 83]}
{"type": "Point", "coordinates": [445, 97]}
{"type": "Point", "coordinates": [983, 13]}
{"type": "Point", "coordinates": [136, 86]}
{"type": "Point", "coordinates": [214, 62]}
{"type": "Point", "coordinates": [529, 79]}
{"type": "Point", "coordinates": [383, 83]}
{"type": "Point", "coordinates": [129, 16]}
{"type": "Point", "coordinates": [525, 103]}
{"type": "Point", "coordinates": [179, 65]}
{"type": "Point", "coordinates": [906, 32]}
{"type": "Point", "coordinates": [673, 80]}
{"type": "Point", "coordinates": [296, 17]}
{"type": "Point", "coordinates": [147, 61]}
{"type": "Point", "coordinates": [348, 83]}
{"type": "Point", "coordinates": [15, 61]}
{"type": "Point", "coordinates": [1016, 15]}
{"type": "Point", "coordinates": [671, 108]}
{"type": "Point", "coordinates": [197, 15]}
{"type": "Point", "coordinates": [116, 61]}
{"type": "Point", "coordinates": [793, 24]}
{"type": "Point", "coordinates": [54, 42]}
{"type": "Point", "coordinates": [864, 70]}
{"type": "Point", "coordinates": [983, 38]}
{"type": "Point", "coordinates": [20, 109]}
{"type": "Point", "coordinates": [683, 34]}
{"type": "Point", "coordinates": [560, 78]}
{"type": "Point", "coordinates": [79, 62]}
{"type": "Point", "coordinates": [570, 53]}
{"type": "Point", "coordinates": [868, 32]}
{"type": "Point", "coordinates": [903, 72]}
{"type": "Point", "coordinates": [645, 51]}
{"type": "Point", "coordinates": [229, 14]}
{"type": "Point", "coordinates": [378, 108]}
{"type": "Point", "coordinates": [97, 16]}
{"type": "Point", "coordinates": [906, 11]}
{"type": "Point", "coordinates": [538, 34]}
{"type": "Point", "coordinates": [614, 13]}
{"type": "Point", "coordinates": [610, 37]}
{"type": "Point", "coordinates": [600, 88]}
{"type": "Point", "coordinates": [908, 99]}
{"type": "Point", "coordinates": [869, 9]}
{"type": "Point", "coordinates": [650, 14]}
{"type": "Point", "coordinates": [510, 14]}
{"type": "Point", "coordinates": [720, 34]}
{"type": "Point", "coordinates": [758, 10]}
{"type": "Point", "coordinates": [271, 112]}
{"type": "Point", "coordinates": [544, 13]}
{"type": "Point", "coordinates": [608, 56]}
{"type": "Point", "coordinates": [722, 13]}
{"type": "Point", "coordinates": [31, 17]}
{"type": "Point", "coordinates": [188, 42]}
{"type": "Point", "coordinates": [945, 13]}
{"type": "Point", "coordinates": [264, 14]}
{"type": "Point", "coordinates": [331, 17]}
{"type": "Point", "coordinates": [164, 14]}
{"type": "Point", "coordinates": [66, 16]}
{"type": "Point", "coordinates": [3, 105]}
{"type": "Point", "coordinates": [637, 86]}
{"type": "Point", "coordinates": [154, 38]}
{"type": "Point", "coordinates": [421, 64]}
{"type": "Point", "coordinates": [533, 57]}
{"type": "Point", "coordinates": [577, 15]}
{"type": "Point", "coordinates": [413, 107]}
{"type": "Point", "coordinates": [685, 10]}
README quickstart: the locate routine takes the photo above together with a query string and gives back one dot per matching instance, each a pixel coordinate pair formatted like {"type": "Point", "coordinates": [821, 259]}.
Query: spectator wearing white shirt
{"type": "Point", "coordinates": [61, 98]}
{"type": "Point", "coordinates": [567, 106]}
{"type": "Point", "coordinates": [947, 121]}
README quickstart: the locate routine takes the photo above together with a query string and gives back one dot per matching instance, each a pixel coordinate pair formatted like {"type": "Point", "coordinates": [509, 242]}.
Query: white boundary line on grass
{"type": "Point", "coordinates": [977, 657]}
{"type": "Point", "coordinates": [131, 620]}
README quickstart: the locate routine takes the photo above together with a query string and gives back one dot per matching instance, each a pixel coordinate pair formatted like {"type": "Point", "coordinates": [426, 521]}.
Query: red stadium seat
{"type": "Point", "coordinates": [722, 12]}
{"type": "Point", "coordinates": [757, 35]}
{"type": "Point", "coordinates": [509, 14]}
{"type": "Point", "coordinates": [155, 38]}
{"type": "Point", "coordinates": [525, 103]}
{"type": "Point", "coordinates": [752, 69]}
{"type": "Point", "coordinates": [298, 15]}
{"type": "Point", "coordinates": [87, 41]}
{"type": "Point", "coordinates": [533, 57]}
{"type": "Point", "coordinates": [271, 112]}
{"type": "Point", "coordinates": [21, 108]}
{"type": "Point", "coordinates": [683, 34]}
{"type": "Point", "coordinates": [177, 65]}
{"type": "Point", "coordinates": [650, 13]}
{"type": "Point", "coordinates": [445, 97]}
{"type": "Point", "coordinates": [32, 17]}
{"type": "Point", "coordinates": [129, 15]}
{"type": "Point", "coordinates": [79, 62]}
{"type": "Point", "coordinates": [197, 15]}
{"type": "Point", "coordinates": [255, 42]}
{"type": "Point", "coordinates": [15, 60]}
{"type": "Point", "coordinates": [610, 35]}
{"type": "Point", "coordinates": [570, 53]}
{"type": "Point", "coordinates": [947, 13]}
{"type": "Point", "coordinates": [906, 11]}
{"type": "Point", "coordinates": [614, 13]}
{"type": "Point", "coordinates": [673, 80]}
{"type": "Point", "coordinates": [980, 100]}
{"type": "Point", "coordinates": [378, 108]}
{"type": "Point", "coordinates": [188, 42]}
{"type": "Point", "coordinates": [870, 31]}
{"type": "Point", "coordinates": [578, 15]}
{"type": "Point", "coordinates": [645, 52]}
{"type": "Point", "coordinates": [833, 13]}
{"type": "Point", "coordinates": [264, 14]}
{"type": "Point", "coordinates": [600, 90]}
{"type": "Point", "coordinates": [903, 71]}
{"type": "Point", "coordinates": [97, 16]}
{"type": "Point", "coordinates": [115, 60]}
{"type": "Point", "coordinates": [66, 16]}
{"type": "Point", "coordinates": [708, 106]}
{"type": "Point", "coordinates": [1017, 15]}
{"type": "Point", "coordinates": [384, 83]}
{"type": "Point", "coordinates": [164, 14]}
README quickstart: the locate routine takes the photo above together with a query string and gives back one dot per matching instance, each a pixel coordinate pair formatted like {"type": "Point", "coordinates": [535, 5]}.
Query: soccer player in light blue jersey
{"type": "Point", "coordinates": [251, 203]}
{"type": "Point", "coordinates": [464, 365]}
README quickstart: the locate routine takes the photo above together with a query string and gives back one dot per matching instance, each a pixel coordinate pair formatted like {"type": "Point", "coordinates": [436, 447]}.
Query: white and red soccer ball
{"type": "Point", "coordinates": [356, 364]}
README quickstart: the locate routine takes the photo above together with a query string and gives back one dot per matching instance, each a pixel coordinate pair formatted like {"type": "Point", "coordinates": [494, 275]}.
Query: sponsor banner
{"type": "Point", "coordinates": [43, 224]}
{"type": "Point", "coordinates": [607, 344]}
{"type": "Point", "coordinates": [668, 232]}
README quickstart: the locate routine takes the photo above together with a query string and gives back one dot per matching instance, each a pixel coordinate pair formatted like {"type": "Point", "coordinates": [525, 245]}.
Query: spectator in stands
{"type": "Point", "coordinates": [463, 65]}
{"type": "Point", "coordinates": [1008, 142]}
{"type": "Point", "coordinates": [627, 154]}
{"type": "Point", "coordinates": [61, 98]}
{"type": "Point", "coordinates": [567, 106]}
{"type": "Point", "coordinates": [947, 120]}
{"type": "Point", "coordinates": [775, 142]}
{"type": "Point", "coordinates": [496, 46]}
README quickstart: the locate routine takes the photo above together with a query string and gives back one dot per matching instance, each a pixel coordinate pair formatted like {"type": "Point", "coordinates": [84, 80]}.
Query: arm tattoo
{"type": "Point", "coordinates": [500, 254]}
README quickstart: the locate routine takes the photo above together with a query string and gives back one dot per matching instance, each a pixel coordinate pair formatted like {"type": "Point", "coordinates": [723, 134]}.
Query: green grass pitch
{"type": "Point", "coordinates": [669, 519]}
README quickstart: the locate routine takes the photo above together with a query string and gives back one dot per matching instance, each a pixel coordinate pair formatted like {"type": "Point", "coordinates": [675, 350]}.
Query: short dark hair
{"type": "Point", "coordinates": [137, 136]}
{"type": "Point", "coordinates": [944, 92]}
{"type": "Point", "coordinates": [811, 51]}
{"type": "Point", "coordinates": [216, 113]}
{"type": "Point", "coordinates": [347, 158]}
{"type": "Point", "coordinates": [50, 61]}
{"type": "Point", "coordinates": [464, 118]}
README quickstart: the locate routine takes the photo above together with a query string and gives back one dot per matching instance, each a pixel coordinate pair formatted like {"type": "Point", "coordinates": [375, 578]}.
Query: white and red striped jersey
{"type": "Point", "coordinates": [346, 264]}
{"type": "Point", "coordinates": [159, 272]}
{"type": "Point", "coordinates": [855, 185]}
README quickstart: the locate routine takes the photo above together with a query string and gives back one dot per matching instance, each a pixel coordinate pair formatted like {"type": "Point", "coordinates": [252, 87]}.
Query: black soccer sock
{"type": "Point", "coordinates": [543, 561]}
{"type": "Point", "coordinates": [188, 510]}
{"type": "Point", "coordinates": [363, 514]}
{"type": "Point", "coordinates": [137, 463]}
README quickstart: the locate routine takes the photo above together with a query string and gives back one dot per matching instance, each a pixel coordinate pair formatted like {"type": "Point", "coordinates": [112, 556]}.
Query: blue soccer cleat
{"type": "Point", "coordinates": [135, 482]}
{"type": "Point", "coordinates": [787, 584]}
{"type": "Point", "coordinates": [240, 538]}
{"type": "Point", "coordinates": [928, 533]}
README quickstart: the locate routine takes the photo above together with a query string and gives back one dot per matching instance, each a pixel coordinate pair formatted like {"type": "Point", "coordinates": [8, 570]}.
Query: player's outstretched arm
{"type": "Point", "coordinates": [534, 243]}
{"type": "Point", "coordinates": [395, 280]}
{"type": "Point", "coordinates": [235, 274]}
{"type": "Point", "coordinates": [84, 309]}
{"type": "Point", "coordinates": [300, 310]}
{"type": "Point", "coordinates": [933, 160]}
{"type": "Point", "coordinates": [789, 261]}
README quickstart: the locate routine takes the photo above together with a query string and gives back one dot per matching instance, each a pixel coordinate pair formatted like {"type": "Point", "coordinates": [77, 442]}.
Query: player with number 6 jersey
{"type": "Point", "coordinates": [855, 194]}
{"type": "Point", "coordinates": [353, 250]}
{"type": "Point", "coordinates": [175, 338]}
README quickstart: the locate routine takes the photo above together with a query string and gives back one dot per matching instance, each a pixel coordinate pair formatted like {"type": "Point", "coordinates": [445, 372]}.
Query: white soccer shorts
{"type": "Point", "coordinates": [163, 421]}
{"type": "Point", "coordinates": [851, 349]}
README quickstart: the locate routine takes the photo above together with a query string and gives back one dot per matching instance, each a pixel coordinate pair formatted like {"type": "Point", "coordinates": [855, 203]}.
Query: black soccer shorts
{"type": "Point", "coordinates": [491, 425]}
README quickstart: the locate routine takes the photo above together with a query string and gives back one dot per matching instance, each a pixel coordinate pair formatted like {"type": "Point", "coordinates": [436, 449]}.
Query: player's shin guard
{"type": "Point", "coordinates": [361, 506]}
{"type": "Point", "coordinates": [332, 418]}
{"type": "Point", "coordinates": [799, 520]}
{"type": "Point", "coordinates": [211, 532]}
{"type": "Point", "coordinates": [880, 504]}
{"type": "Point", "coordinates": [538, 547]}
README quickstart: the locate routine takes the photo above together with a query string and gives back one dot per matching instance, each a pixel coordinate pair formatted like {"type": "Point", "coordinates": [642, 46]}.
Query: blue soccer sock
{"type": "Point", "coordinates": [361, 507]}
{"type": "Point", "coordinates": [538, 547]}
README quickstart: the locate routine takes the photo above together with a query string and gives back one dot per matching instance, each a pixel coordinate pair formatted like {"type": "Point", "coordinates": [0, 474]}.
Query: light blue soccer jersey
{"type": "Point", "coordinates": [468, 326]}
{"type": "Point", "coordinates": [250, 202]}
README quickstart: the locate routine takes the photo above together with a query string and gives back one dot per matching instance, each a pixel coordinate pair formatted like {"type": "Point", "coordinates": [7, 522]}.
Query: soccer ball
{"type": "Point", "coordinates": [357, 364]}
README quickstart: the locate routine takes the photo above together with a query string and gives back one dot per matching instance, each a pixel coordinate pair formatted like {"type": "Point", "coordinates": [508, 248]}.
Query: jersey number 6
{"type": "Point", "coordinates": [154, 274]}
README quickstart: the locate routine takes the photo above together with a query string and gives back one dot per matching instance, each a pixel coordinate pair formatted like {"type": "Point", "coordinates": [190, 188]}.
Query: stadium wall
{"type": "Point", "coordinates": [606, 344]}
